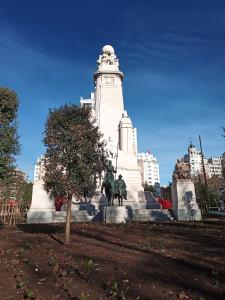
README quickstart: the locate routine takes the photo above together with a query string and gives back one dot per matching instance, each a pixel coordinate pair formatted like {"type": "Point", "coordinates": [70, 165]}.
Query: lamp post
{"type": "Point", "coordinates": [204, 174]}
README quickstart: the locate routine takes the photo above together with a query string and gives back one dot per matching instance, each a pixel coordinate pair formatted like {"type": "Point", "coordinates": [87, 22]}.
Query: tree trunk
{"type": "Point", "coordinates": [68, 216]}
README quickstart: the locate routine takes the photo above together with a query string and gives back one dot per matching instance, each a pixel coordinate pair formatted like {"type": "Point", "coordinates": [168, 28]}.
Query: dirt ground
{"type": "Point", "coordinates": [174, 260]}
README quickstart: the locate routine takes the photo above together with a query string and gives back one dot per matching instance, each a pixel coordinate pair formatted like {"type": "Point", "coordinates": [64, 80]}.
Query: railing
{"type": "Point", "coordinates": [10, 214]}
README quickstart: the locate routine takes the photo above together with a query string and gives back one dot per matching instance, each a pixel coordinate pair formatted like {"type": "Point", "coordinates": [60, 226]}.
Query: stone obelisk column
{"type": "Point", "coordinates": [42, 207]}
{"type": "Point", "coordinates": [109, 105]}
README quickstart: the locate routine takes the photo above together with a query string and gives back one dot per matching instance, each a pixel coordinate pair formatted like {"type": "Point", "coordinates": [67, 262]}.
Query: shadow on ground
{"type": "Point", "coordinates": [40, 228]}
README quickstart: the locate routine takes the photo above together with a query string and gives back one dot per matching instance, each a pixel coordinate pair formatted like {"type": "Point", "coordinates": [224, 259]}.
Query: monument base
{"type": "Point", "coordinates": [184, 205]}
{"type": "Point", "coordinates": [42, 207]}
{"type": "Point", "coordinates": [114, 214]}
{"type": "Point", "coordinates": [151, 215]}
{"type": "Point", "coordinates": [40, 216]}
{"type": "Point", "coordinates": [192, 215]}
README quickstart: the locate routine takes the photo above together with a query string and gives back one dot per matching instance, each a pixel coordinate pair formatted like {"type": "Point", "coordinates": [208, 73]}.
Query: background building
{"type": "Point", "coordinates": [149, 168]}
{"type": "Point", "coordinates": [213, 165]}
{"type": "Point", "coordinates": [193, 157]}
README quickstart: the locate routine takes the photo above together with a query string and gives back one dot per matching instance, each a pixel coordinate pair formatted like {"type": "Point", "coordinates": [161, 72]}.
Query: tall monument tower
{"type": "Point", "coordinates": [114, 122]}
{"type": "Point", "coordinates": [109, 105]}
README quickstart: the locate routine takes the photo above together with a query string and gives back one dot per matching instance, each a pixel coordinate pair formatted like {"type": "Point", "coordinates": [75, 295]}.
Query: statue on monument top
{"type": "Point", "coordinates": [108, 57]}
{"type": "Point", "coordinates": [109, 147]}
{"type": "Point", "coordinates": [181, 170]}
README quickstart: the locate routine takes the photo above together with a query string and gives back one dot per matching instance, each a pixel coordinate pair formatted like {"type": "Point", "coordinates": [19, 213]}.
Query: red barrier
{"type": "Point", "coordinates": [59, 202]}
{"type": "Point", "coordinates": [166, 204]}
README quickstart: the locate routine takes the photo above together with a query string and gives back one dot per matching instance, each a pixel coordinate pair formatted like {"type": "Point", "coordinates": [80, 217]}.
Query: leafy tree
{"type": "Point", "coordinates": [207, 197]}
{"type": "Point", "coordinates": [9, 140]}
{"type": "Point", "coordinates": [201, 195]}
{"type": "Point", "coordinates": [166, 192]}
{"type": "Point", "coordinates": [149, 188]}
{"type": "Point", "coordinates": [23, 190]}
{"type": "Point", "coordinates": [223, 167]}
{"type": "Point", "coordinates": [74, 157]}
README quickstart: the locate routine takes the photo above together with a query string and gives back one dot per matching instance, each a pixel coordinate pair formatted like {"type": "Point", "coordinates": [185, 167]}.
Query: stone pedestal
{"type": "Point", "coordinates": [114, 214]}
{"type": "Point", "coordinates": [42, 207]}
{"type": "Point", "coordinates": [184, 205]}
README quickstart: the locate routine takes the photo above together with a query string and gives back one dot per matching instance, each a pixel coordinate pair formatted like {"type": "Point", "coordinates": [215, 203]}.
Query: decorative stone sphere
{"type": "Point", "coordinates": [108, 49]}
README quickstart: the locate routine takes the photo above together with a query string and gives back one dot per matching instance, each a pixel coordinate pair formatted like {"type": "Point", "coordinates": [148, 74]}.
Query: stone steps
{"type": "Point", "coordinates": [146, 215]}
{"type": "Point", "coordinates": [77, 216]}
{"type": "Point", "coordinates": [137, 214]}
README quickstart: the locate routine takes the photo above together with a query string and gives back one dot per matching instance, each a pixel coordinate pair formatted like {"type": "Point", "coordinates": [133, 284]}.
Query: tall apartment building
{"type": "Point", "coordinates": [213, 165]}
{"type": "Point", "coordinates": [149, 168]}
{"type": "Point", "coordinates": [193, 157]}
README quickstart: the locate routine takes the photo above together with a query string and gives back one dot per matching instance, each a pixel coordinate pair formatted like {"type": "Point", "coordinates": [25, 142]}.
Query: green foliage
{"type": "Point", "coordinates": [19, 188]}
{"type": "Point", "coordinates": [149, 188]}
{"type": "Point", "coordinates": [166, 192]}
{"type": "Point", "coordinates": [210, 196]}
{"type": "Point", "coordinates": [75, 155]}
{"type": "Point", "coordinates": [90, 265]}
{"type": "Point", "coordinates": [223, 170]}
{"type": "Point", "coordinates": [118, 290]}
{"type": "Point", "coordinates": [9, 141]}
{"type": "Point", "coordinates": [84, 296]}
{"type": "Point", "coordinates": [201, 193]}
{"type": "Point", "coordinates": [29, 294]}
{"type": "Point", "coordinates": [213, 198]}
{"type": "Point", "coordinates": [23, 190]}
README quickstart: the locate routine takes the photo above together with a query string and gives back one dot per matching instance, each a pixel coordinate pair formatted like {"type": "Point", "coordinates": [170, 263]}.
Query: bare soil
{"type": "Point", "coordinates": [174, 260]}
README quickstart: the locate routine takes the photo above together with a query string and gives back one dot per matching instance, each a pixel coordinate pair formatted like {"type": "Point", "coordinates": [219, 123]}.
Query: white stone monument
{"type": "Point", "coordinates": [114, 122]}
{"type": "Point", "coordinates": [121, 139]}
{"type": "Point", "coordinates": [184, 205]}
{"type": "Point", "coordinates": [42, 207]}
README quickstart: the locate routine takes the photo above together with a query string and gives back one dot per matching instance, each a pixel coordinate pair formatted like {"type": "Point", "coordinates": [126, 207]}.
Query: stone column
{"type": "Point", "coordinates": [42, 207]}
{"type": "Point", "coordinates": [126, 135]}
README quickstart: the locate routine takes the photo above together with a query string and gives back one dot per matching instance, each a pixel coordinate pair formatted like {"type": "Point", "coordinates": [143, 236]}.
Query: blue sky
{"type": "Point", "coordinates": [172, 54]}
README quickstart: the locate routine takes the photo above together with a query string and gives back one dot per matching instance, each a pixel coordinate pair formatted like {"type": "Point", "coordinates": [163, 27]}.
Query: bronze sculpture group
{"type": "Point", "coordinates": [113, 188]}
{"type": "Point", "coordinates": [181, 170]}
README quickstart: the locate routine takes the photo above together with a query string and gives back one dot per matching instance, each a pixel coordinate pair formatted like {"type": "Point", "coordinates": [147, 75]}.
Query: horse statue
{"type": "Point", "coordinates": [109, 187]}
